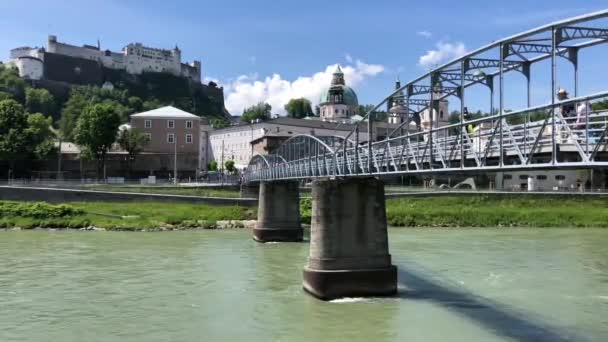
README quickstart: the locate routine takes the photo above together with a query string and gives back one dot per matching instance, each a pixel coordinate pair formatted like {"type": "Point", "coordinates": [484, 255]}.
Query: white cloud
{"type": "Point", "coordinates": [247, 90]}
{"type": "Point", "coordinates": [443, 53]}
{"type": "Point", "coordinates": [424, 33]}
{"type": "Point", "coordinates": [348, 58]}
{"type": "Point", "coordinates": [252, 59]}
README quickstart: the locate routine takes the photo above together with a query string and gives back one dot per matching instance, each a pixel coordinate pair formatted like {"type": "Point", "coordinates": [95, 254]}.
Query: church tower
{"type": "Point", "coordinates": [396, 106]}
{"type": "Point", "coordinates": [339, 102]}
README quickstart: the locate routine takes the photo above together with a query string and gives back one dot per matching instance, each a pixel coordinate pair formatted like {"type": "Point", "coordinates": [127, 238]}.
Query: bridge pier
{"type": "Point", "coordinates": [349, 242]}
{"type": "Point", "coordinates": [278, 212]}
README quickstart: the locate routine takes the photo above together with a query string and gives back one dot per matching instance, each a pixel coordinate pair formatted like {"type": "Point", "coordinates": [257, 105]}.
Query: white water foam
{"type": "Point", "coordinates": [350, 300]}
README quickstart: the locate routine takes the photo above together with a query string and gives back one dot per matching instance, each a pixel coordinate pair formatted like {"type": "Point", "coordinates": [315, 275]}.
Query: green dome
{"type": "Point", "coordinates": [349, 97]}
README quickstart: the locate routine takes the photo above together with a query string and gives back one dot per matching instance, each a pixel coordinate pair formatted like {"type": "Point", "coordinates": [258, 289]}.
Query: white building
{"type": "Point", "coordinates": [135, 58]}
{"type": "Point", "coordinates": [235, 143]}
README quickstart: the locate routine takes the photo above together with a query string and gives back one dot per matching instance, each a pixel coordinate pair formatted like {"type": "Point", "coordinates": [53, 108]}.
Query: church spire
{"type": "Point", "coordinates": [338, 76]}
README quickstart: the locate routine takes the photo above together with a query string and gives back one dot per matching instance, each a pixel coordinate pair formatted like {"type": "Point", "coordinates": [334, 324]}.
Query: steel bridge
{"type": "Point", "coordinates": [535, 137]}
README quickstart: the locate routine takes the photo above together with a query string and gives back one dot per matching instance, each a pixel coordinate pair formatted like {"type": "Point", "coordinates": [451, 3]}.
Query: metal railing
{"type": "Point", "coordinates": [516, 140]}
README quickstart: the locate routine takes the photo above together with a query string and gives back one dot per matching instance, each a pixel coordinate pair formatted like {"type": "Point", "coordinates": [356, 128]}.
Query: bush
{"type": "Point", "coordinates": [39, 210]}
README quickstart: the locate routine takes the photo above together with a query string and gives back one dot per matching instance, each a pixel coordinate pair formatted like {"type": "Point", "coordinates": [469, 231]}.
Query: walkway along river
{"type": "Point", "coordinates": [462, 284]}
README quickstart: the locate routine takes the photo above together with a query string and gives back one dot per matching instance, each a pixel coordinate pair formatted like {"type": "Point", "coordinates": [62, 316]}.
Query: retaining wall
{"type": "Point", "coordinates": [14, 193]}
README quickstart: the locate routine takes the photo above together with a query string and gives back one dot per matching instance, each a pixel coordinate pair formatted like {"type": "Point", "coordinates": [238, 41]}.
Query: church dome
{"type": "Point", "coordinates": [349, 95]}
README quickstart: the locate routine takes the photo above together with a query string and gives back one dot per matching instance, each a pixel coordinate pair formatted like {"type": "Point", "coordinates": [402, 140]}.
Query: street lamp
{"type": "Point", "coordinates": [175, 159]}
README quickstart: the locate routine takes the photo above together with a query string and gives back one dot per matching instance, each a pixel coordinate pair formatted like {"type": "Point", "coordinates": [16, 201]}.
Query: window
{"type": "Point", "coordinates": [148, 136]}
{"type": "Point", "coordinates": [560, 177]}
{"type": "Point", "coordinates": [541, 177]}
{"type": "Point", "coordinates": [189, 124]}
{"type": "Point", "coordinates": [523, 176]}
{"type": "Point", "coordinates": [508, 177]}
{"type": "Point", "coordinates": [170, 123]}
{"type": "Point", "coordinates": [148, 124]}
{"type": "Point", "coordinates": [171, 138]}
{"type": "Point", "coordinates": [188, 138]}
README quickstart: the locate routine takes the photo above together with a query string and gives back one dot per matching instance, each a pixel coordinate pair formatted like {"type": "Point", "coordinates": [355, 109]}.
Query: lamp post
{"type": "Point", "coordinates": [175, 159]}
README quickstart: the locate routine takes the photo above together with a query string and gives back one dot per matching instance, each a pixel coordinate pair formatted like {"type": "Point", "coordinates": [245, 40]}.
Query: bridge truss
{"type": "Point", "coordinates": [534, 137]}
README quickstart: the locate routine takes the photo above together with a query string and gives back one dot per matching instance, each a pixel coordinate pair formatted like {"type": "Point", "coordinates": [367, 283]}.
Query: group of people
{"type": "Point", "coordinates": [574, 115]}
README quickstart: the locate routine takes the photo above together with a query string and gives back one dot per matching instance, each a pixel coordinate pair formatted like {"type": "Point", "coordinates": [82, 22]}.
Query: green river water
{"type": "Point", "coordinates": [455, 285]}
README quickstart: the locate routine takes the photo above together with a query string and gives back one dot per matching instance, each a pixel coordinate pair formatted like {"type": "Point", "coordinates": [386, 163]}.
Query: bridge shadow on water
{"type": "Point", "coordinates": [503, 320]}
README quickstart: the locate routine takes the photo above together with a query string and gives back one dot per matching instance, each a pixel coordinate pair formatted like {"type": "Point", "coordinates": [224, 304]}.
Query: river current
{"type": "Point", "coordinates": [455, 285]}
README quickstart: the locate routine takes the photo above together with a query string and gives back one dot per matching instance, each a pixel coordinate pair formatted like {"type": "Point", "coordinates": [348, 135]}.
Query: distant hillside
{"type": "Point", "coordinates": [62, 72]}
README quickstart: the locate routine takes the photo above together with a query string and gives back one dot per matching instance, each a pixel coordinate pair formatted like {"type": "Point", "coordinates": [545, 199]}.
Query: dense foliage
{"type": "Point", "coordinates": [36, 210]}
{"type": "Point", "coordinates": [260, 111]}
{"type": "Point", "coordinates": [229, 165]}
{"type": "Point", "coordinates": [299, 108]}
{"type": "Point", "coordinates": [96, 130]}
{"type": "Point", "coordinates": [133, 141]}
{"type": "Point", "coordinates": [23, 136]}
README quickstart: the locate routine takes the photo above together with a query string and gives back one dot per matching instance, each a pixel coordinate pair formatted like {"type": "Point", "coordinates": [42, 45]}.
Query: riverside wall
{"type": "Point", "coordinates": [53, 195]}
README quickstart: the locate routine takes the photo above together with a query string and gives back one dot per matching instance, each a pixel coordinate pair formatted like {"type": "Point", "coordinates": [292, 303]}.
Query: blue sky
{"type": "Point", "coordinates": [273, 50]}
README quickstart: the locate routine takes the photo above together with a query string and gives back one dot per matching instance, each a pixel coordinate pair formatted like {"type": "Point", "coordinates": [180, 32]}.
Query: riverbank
{"type": "Point", "coordinates": [491, 211]}
{"type": "Point", "coordinates": [149, 216]}
{"type": "Point", "coordinates": [444, 211]}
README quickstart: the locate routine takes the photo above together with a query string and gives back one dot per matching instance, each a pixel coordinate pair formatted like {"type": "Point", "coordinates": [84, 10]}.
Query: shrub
{"type": "Point", "coordinates": [39, 210]}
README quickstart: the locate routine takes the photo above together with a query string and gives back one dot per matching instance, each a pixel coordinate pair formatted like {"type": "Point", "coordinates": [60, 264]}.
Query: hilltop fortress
{"type": "Point", "coordinates": [135, 59]}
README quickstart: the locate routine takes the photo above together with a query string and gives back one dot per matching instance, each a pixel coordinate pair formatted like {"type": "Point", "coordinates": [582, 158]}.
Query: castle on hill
{"type": "Point", "coordinates": [135, 59]}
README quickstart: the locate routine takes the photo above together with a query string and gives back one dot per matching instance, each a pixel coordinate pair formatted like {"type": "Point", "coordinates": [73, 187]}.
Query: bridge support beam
{"type": "Point", "coordinates": [349, 243]}
{"type": "Point", "coordinates": [278, 213]}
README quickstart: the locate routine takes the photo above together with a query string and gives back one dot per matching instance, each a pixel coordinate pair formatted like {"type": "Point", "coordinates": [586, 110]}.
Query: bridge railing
{"type": "Point", "coordinates": [542, 136]}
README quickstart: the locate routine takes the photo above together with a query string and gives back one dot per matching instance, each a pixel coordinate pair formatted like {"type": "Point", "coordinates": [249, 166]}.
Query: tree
{"type": "Point", "coordinates": [212, 166]}
{"type": "Point", "coordinates": [600, 105]}
{"type": "Point", "coordinates": [75, 106]}
{"type": "Point", "coordinates": [218, 123]}
{"type": "Point", "coordinates": [96, 131]}
{"type": "Point", "coordinates": [135, 103]}
{"type": "Point", "coordinates": [259, 111]}
{"type": "Point", "coordinates": [39, 100]}
{"type": "Point", "coordinates": [11, 83]}
{"type": "Point", "coordinates": [133, 141]}
{"type": "Point", "coordinates": [82, 97]}
{"type": "Point", "coordinates": [13, 124]}
{"type": "Point", "coordinates": [229, 165]}
{"type": "Point", "coordinates": [41, 138]}
{"type": "Point", "coordinates": [299, 108]}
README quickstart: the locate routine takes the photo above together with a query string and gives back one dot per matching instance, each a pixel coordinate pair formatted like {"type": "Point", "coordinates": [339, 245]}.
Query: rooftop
{"type": "Point", "coordinates": [166, 112]}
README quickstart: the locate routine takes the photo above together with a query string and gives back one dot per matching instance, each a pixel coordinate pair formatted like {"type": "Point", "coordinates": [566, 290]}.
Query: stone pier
{"type": "Point", "coordinates": [349, 242]}
{"type": "Point", "coordinates": [278, 212]}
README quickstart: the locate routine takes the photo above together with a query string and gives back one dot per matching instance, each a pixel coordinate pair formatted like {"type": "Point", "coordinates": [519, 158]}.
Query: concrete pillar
{"type": "Point", "coordinates": [251, 190]}
{"type": "Point", "coordinates": [278, 212]}
{"type": "Point", "coordinates": [349, 242]}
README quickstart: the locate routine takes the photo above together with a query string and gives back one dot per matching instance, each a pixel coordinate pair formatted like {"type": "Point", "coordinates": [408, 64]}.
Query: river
{"type": "Point", "coordinates": [455, 285]}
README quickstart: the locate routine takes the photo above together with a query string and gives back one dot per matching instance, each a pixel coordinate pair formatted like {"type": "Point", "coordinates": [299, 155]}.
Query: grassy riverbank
{"type": "Point", "coordinates": [452, 211]}
{"type": "Point", "coordinates": [118, 216]}
{"type": "Point", "coordinates": [492, 211]}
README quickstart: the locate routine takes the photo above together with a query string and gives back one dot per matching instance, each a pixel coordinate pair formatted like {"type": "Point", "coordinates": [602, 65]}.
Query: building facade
{"type": "Point", "coordinates": [340, 101]}
{"type": "Point", "coordinates": [135, 58]}
{"type": "Point", "coordinates": [240, 143]}
{"type": "Point", "coordinates": [171, 131]}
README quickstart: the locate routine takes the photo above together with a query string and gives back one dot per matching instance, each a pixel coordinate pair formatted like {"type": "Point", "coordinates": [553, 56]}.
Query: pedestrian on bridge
{"type": "Point", "coordinates": [567, 109]}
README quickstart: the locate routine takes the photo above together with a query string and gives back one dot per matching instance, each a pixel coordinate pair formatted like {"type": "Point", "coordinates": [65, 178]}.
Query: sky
{"type": "Point", "coordinates": [273, 51]}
